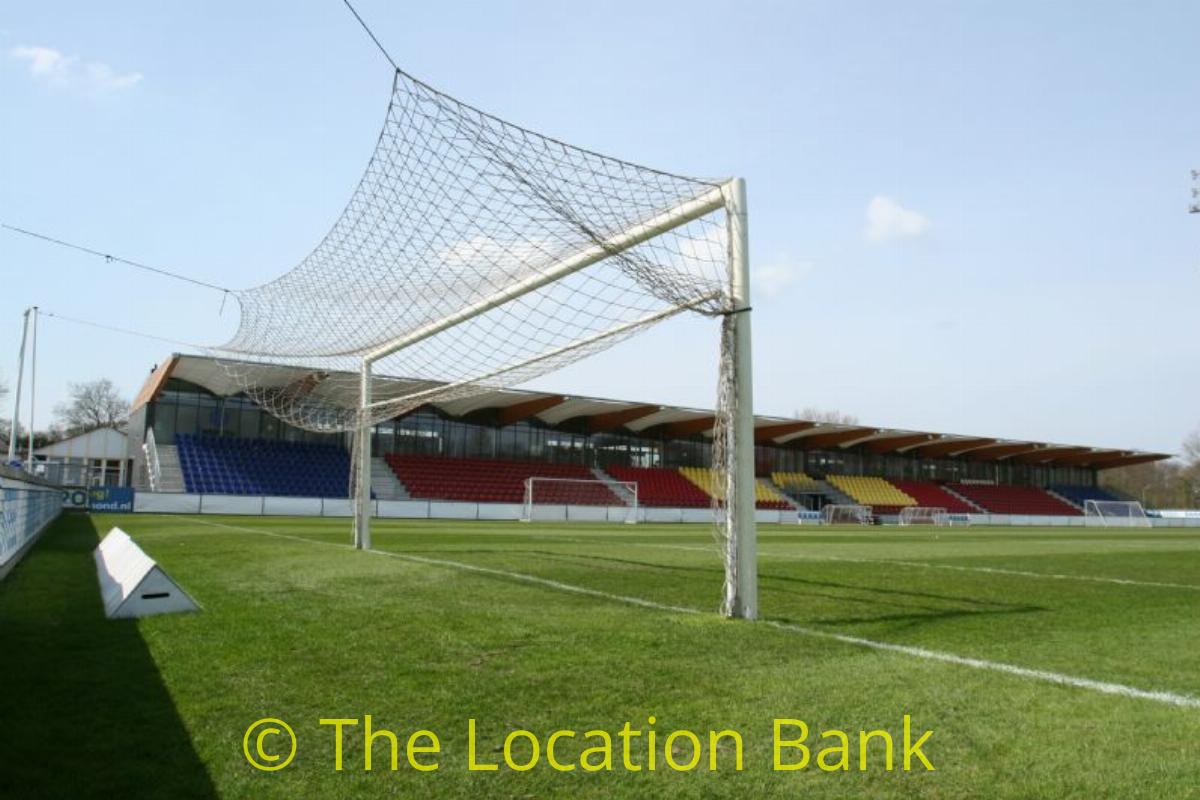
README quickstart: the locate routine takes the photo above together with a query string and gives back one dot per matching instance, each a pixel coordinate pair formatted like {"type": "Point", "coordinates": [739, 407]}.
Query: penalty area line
{"type": "Point", "coordinates": [1044, 676]}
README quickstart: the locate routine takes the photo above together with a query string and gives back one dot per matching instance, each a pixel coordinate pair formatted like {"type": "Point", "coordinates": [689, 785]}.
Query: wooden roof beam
{"type": "Point", "coordinates": [598, 423]}
{"type": "Point", "coordinates": [832, 439]}
{"type": "Point", "coordinates": [769, 433]}
{"type": "Point", "coordinates": [519, 411]}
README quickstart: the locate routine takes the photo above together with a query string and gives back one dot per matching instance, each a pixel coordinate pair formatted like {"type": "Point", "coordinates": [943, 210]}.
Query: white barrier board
{"type": "Point", "coordinates": [132, 584]}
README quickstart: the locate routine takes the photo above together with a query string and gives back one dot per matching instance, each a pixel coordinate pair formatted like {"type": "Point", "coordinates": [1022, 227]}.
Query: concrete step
{"type": "Point", "coordinates": [171, 477]}
{"type": "Point", "coordinates": [618, 488]}
{"type": "Point", "coordinates": [978, 508]}
{"type": "Point", "coordinates": [771, 485]}
{"type": "Point", "coordinates": [384, 482]}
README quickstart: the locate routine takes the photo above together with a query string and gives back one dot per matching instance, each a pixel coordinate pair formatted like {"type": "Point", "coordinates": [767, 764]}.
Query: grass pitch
{"type": "Point", "coordinates": [546, 627]}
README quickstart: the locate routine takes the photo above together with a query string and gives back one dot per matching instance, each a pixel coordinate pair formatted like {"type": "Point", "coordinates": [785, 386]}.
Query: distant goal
{"type": "Point", "coordinates": [846, 515]}
{"type": "Point", "coordinates": [580, 500]}
{"type": "Point", "coordinates": [1116, 513]}
{"type": "Point", "coordinates": [924, 515]}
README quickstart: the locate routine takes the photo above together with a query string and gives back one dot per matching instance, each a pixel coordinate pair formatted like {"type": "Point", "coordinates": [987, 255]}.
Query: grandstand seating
{"type": "Point", "coordinates": [796, 482]}
{"type": "Point", "coordinates": [1079, 495]}
{"type": "Point", "coordinates": [883, 497]}
{"type": "Point", "coordinates": [223, 465]}
{"type": "Point", "coordinates": [764, 496]}
{"type": "Point", "coordinates": [487, 480]}
{"type": "Point", "coordinates": [662, 487]}
{"type": "Point", "coordinates": [1015, 499]}
{"type": "Point", "coordinates": [934, 496]}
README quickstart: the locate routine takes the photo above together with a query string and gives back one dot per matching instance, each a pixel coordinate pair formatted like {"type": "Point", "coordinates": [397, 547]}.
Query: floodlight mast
{"type": "Point", "coordinates": [740, 497]}
{"type": "Point", "coordinates": [12, 432]}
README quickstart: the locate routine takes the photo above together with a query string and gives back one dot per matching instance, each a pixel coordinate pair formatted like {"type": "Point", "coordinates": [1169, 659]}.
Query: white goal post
{"type": "Point", "coordinates": [579, 500]}
{"type": "Point", "coordinates": [1116, 513]}
{"type": "Point", "coordinates": [834, 514]}
{"type": "Point", "coordinates": [737, 525]}
{"type": "Point", "coordinates": [924, 515]}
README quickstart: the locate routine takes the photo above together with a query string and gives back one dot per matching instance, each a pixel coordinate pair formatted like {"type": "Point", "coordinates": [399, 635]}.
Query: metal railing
{"type": "Point", "coordinates": [153, 466]}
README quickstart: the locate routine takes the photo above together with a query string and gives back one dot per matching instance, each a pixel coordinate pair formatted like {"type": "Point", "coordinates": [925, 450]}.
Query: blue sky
{"type": "Point", "coordinates": [966, 217]}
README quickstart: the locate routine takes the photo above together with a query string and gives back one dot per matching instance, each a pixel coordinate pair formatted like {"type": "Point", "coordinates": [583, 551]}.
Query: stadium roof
{"type": "Point", "coordinates": [598, 415]}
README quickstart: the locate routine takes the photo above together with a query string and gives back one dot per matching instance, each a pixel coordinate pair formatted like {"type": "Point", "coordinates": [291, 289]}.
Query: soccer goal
{"type": "Point", "coordinates": [846, 515]}
{"type": "Point", "coordinates": [924, 515]}
{"type": "Point", "coordinates": [579, 500]}
{"type": "Point", "coordinates": [1116, 513]}
{"type": "Point", "coordinates": [508, 256]}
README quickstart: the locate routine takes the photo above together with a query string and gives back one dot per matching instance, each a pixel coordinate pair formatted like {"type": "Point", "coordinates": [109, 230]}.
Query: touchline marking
{"type": "Point", "coordinates": [1045, 676]}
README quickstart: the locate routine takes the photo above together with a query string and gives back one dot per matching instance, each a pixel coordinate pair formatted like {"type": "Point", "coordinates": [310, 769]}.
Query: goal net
{"type": "Point", "coordinates": [1116, 513]}
{"type": "Point", "coordinates": [924, 515]}
{"type": "Point", "coordinates": [581, 500]}
{"type": "Point", "coordinates": [846, 515]}
{"type": "Point", "coordinates": [475, 255]}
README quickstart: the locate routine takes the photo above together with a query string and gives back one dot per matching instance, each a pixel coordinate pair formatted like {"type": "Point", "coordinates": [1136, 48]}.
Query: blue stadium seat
{"type": "Point", "coordinates": [219, 465]}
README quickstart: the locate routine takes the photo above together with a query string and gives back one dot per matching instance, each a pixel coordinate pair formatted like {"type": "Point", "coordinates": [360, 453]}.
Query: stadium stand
{"type": "Point", "coordinates": [1079, 495]}
{"type": "Point", "coordinates": [222, 465]}
{"type": "Point", "coordinates": [765, 496]}
{"type": "Point", "coordinates": [796, 482]}
{"type": "Point", "coordinates": [662, 487]}
{"type": "Point", "coordinates": [486, 480]}
{"type": "Point", "coordinates": [1014, 499]}
{"type": "Point", "coordinates": [935, 496]}
{"type": "Point", "coordinates": [883, 497]}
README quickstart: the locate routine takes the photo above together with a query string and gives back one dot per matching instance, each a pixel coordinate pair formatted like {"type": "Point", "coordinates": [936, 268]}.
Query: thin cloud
{"type": "Point", "coordinates": [776, 276]}
{"type": "Point", "coordinates": [887, 220]}
{"type": "Point", "coordinates": [52, 68]}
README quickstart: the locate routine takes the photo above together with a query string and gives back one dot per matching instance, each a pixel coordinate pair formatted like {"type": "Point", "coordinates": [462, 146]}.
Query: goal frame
{"type": "Point", "coordinates": [864, 513]}
{"type": "Point", "coordinates": [1094, 516]}
{"type": "Point", "coordinates": [741, 598]}
{"type": "Point", "coordinates": [934, 515]}
{"type": "Point", "coordinates": [527, 507]}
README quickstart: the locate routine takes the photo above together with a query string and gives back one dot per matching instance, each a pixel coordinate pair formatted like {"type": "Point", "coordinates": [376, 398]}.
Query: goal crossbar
{"type": "Point", "coordinates": [628, 326]}
{"type": "Point", "coordinates": [706, 203]}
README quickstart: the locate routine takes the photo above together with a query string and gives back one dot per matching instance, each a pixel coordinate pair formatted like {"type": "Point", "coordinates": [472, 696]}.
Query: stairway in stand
{"type": "Point", "coordinates": [384, 482]}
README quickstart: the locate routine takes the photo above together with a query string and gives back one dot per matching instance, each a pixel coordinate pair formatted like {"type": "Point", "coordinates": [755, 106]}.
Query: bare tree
{"type": "Point", "coordinates": [811, 414]}
{"type": "Point", "coordinates": [1191, 448]}
{"type": "Point", "coordinates": [94, 404]}
{"type": "Point", "coordinates": [1162, 484]}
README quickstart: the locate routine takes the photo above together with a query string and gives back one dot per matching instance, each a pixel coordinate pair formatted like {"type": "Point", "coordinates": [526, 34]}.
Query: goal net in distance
{"type": "Point", "coordinates": [476, 255]}
{"type": "Point", "coordinates": [581, 500]}
{"type": "Point", "coordinates": [924, 515]}
{"type": "Point", "coordinates": [1116, 513]}
{"type": "Point", "coordinates": [834, 514]}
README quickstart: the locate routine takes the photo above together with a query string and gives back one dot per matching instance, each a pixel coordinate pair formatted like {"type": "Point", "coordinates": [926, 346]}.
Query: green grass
{"type": "Point", "coordinates": [302, 628]}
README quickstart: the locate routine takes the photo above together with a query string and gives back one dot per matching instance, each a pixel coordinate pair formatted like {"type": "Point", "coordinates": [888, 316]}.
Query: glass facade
{"type": "Point", "coordinates": [188, 409]}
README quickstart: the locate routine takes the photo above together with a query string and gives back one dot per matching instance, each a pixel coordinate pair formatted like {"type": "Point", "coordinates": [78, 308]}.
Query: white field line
{"type": "Point", "coordinates": [1045, 676]}
{"type": "Point", "coordinates": [919, 565]}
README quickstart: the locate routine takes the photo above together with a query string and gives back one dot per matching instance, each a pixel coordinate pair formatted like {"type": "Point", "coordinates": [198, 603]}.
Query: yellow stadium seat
{"type": "Point", "coordinates": [796, 481]}
{"type": "Point", "coordinates": [703, 477]}
{"type": "Point", "coordinates": [871, 491]}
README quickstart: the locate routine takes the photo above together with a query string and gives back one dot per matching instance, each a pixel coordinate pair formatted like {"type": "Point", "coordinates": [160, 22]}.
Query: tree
{"type": "Point", "coordinates": [811, 414]}
{"type": "Point", "coordinates": [1191, 449]}
{"type": "Point", "coordinates": [1162, 484]}
{"type": "Point", "coordinates": [94, 404]}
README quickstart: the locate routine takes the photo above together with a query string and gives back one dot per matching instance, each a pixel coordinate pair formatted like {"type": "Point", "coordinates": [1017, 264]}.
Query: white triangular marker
{"type": "Point", "coordinates": [132, 584]}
